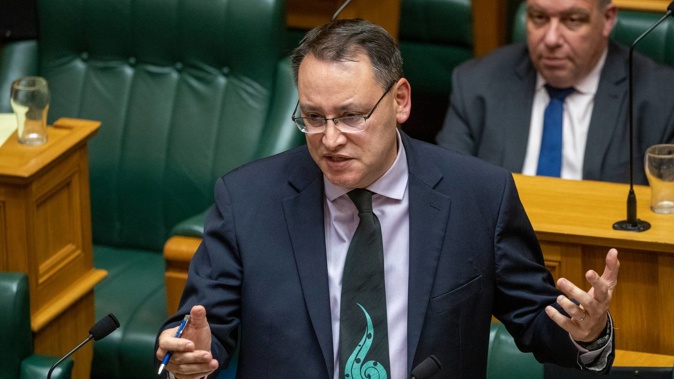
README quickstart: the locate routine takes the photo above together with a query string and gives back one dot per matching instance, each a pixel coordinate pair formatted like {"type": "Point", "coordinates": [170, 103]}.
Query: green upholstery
{"type": "Point", "coordinates": [185, 91]}
{"type": "Point", "coordinates": [18, 360]}
{"type": "Point", "coordinates": [506, 361]}
{"type": "Point", "coordinates": [658, 45]}
{"type": "Point", "coordinates": [434, 37]}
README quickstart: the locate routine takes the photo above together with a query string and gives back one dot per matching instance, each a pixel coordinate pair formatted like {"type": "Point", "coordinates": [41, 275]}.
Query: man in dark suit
{"type": "Point", "coordinates": [457, 245]}
{"type": "Point", "coordinates": [498, 101]}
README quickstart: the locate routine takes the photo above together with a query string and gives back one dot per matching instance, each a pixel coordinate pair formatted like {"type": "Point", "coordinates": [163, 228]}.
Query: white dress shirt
{"type": "Point", "coordinates": [578, 108]}
{"type": "Point", "coordinates": [390, 204]}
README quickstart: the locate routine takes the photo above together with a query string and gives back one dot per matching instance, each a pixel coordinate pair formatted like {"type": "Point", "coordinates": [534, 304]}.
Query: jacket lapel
{"type": "Point", "coordinates": [429, 213]}
{"type": "Point", "coordinates": [609, 101]}
{"type": "Point", "coordinates": [304, 219]}
{"type": "Point", "coordinates": [517, 99]}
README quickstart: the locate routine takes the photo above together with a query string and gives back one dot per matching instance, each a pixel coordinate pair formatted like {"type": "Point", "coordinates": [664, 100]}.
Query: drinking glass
{"type": "Point", "coordinates": [30, 102]}
{"type": "Point", "coordinates": [659, 161]}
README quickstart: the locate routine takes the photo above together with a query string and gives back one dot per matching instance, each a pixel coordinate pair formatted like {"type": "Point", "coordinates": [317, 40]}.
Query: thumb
{"type": "Point", "coordinates": [198, 317]}
{"type": "Point", "coordinates": [199, 329]}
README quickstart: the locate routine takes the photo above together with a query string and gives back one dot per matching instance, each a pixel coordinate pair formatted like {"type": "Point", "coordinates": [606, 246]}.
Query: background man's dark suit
{"type": "Point", "coordinates": [263, 267]}
{"type": "Point", "coordinates": [491, 103]}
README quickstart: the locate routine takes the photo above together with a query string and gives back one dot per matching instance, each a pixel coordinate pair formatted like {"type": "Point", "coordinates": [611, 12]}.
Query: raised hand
{"type": "Point", "coordinates": [587, 319]}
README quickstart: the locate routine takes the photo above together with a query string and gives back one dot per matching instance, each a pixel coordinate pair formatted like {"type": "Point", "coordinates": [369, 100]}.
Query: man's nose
{"type": "Point", "coordinates": [553, 35]}
{"type": "Point", "coordinates": [332, 136]}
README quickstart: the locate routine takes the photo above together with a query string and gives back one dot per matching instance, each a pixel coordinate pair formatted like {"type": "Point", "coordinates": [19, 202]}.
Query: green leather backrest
{"type": "Point", "coordinates": [442, 22]}
{"type": "Point", "coordinates": [16, 337]}
{"type": "Point", "coordinates": [435, 36]}
{"type": "Point", "coordinates": [185, 91]}
{"type": "Point", "coordinates": [658, 45]}
{"type": "Point", "coordinates": [506, 361]}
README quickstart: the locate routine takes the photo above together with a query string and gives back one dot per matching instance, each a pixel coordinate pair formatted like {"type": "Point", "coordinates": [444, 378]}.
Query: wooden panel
{"type": "Point", "coordinates": [66, 331]}
{"type": "Point", "coordinates": [489, 25]}
{"type": "Point", "coordinates": [302, 14]}
{"type": "Point", "coordinates": [563, 261]}
{"type": "Point", "coordinates": [3, 236]}
{"type": "Point", "coordinates": [645, 5]}
{"type": "Point", "coordinates": [178, 252]}
{"type": "Point", "coordinates": [665, 309]}
{"type": "Point", "coordinates": [44, 191]}
{"type": "Point", "coordinates": [640, 359]}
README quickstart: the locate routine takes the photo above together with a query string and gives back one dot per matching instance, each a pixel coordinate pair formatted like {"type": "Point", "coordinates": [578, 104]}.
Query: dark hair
{"type": "Point", "coordinates": [342, 40]}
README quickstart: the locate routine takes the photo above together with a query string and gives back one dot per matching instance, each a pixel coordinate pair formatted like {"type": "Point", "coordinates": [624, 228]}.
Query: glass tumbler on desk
{"type": "Point", "coordinates": [659, 162]}
{"type": "Point", "coordinates": [30, 102]}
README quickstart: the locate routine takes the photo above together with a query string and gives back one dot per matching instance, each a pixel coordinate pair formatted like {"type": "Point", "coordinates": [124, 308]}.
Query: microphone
{"type": "Point", "coordinates": [100, 330]}
{"type": "Point", "coordinates": [334, 16]}
{"type": "Point", "coordinates": [632, 223]}
{"type": "Point", "coordinates": [427, 368]}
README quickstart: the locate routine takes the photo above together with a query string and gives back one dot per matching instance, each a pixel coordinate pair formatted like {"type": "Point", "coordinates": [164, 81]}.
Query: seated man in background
{"type": "Point", "coordinates": [365, 252]}
{"type": "Point", "coordinates": [501, 108]}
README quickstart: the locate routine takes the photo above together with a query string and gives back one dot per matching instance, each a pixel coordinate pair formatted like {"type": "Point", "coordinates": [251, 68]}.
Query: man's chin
{"type": "Point", "coordinates": [558, 78]}
{"type": "Point", "coordinates": [346, 180]}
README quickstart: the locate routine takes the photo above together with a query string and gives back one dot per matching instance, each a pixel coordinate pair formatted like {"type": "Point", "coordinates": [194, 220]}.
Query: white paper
{"type": "Point", "coordinates": [7, 126]}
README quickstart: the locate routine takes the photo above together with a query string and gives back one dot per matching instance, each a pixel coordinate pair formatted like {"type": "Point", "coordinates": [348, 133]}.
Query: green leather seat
{"type": "Point", "coordinates": [658, 45]}
{"type": "Point", "coordinates": [18, 360]}
{"type": "Point", "coordinates": [185, 91]}
{"type": "Point", "coordinates": [506, 361]}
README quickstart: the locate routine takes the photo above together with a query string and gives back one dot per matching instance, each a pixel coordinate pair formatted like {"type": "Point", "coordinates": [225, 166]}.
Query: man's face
{"type": "Point", "coordinates": [566, 38]}
{"type": "Point", "coordinates": [336, 89]}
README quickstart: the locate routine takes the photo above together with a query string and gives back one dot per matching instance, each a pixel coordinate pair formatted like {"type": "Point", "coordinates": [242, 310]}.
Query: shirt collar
{"type": "Point", "coordinates": [392, 184]}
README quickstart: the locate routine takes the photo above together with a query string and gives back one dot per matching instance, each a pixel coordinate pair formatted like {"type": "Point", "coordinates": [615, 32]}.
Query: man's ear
{"type": "Point", "coordinates": [610, 18]}
{"type": "Point", "coordinates": [403, 100]}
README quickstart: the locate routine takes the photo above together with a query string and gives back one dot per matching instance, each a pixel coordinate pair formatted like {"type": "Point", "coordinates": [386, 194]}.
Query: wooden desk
{"type": "Point", "coordinates": [45, 231]}
{"type": "Point", "coordinates": [639, 359]}
{"type": "Point", "coordinates": [573, 221]}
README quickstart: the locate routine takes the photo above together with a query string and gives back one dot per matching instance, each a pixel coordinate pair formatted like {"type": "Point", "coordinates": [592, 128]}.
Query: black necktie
{"type": "Point", "coordinates": [550, 156]}
{"type": "Point", "coordinates": [363, 333]}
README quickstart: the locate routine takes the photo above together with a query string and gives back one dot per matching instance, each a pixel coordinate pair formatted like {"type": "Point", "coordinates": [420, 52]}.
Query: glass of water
{"type": "Point", "coordinates": [30, 102]}
{"type": "Point", "coordinates": [659, 161]}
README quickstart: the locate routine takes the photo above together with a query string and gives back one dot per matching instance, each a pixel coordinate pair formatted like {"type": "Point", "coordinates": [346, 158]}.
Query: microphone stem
{"type": "Point", "coordinates": [631, 198]}
{"type": "Point", "coordinates": [67, 355]}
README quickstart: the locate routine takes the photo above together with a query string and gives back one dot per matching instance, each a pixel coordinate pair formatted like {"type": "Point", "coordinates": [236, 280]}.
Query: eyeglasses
{"type": "Point", "coordinates": [345, 124]}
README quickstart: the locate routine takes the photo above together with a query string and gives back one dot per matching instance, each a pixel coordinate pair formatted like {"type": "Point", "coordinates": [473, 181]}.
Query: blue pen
{"type": "Point", "coordinates": [179, 333]}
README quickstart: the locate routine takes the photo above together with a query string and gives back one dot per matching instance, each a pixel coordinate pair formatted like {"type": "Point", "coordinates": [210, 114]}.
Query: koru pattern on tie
{"type": "Point", "coordinates": [550, 156]}
{"type": "Point", "coordinates": [363, 331]}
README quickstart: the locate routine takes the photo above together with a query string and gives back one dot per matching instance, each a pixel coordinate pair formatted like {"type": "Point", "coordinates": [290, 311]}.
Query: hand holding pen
{"type": "Point", "coordinates": [179, 333]}
{"type": "Point", "coordinates": [188, 347]}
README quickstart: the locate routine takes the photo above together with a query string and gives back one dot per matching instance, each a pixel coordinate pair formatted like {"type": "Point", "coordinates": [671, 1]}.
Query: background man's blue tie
{"type": "Point", "coordinates": [550, 156]}
{"type": "Point", "coordinates": [363, 331]}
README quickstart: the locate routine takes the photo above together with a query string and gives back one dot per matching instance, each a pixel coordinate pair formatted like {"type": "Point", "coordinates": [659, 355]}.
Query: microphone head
{"type": "Point", "coordinates": [670, 8]}
{"type": "Point", "coordinates": [104, 326]}
{"type": "Point", "coordinates": [429, 367]}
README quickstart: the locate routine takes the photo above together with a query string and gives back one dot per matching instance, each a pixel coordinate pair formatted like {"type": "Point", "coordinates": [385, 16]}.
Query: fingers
{"type": "Point", "coordinates": [582, 325]}
{"type": "Point", "coordinates": [168, 342]}
{"type": "Point", "coordinates": [612, 268]}
{"type": "Point", "coordinates": [196, 364]}
{"type": "Point", "coordinates": [603, 286]}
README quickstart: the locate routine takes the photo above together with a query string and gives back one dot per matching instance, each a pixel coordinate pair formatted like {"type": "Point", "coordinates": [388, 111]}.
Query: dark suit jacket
{"type": "Point", "coordinates": [491, 102]}
{"type": "Point", "coordinates": [262, 268]}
